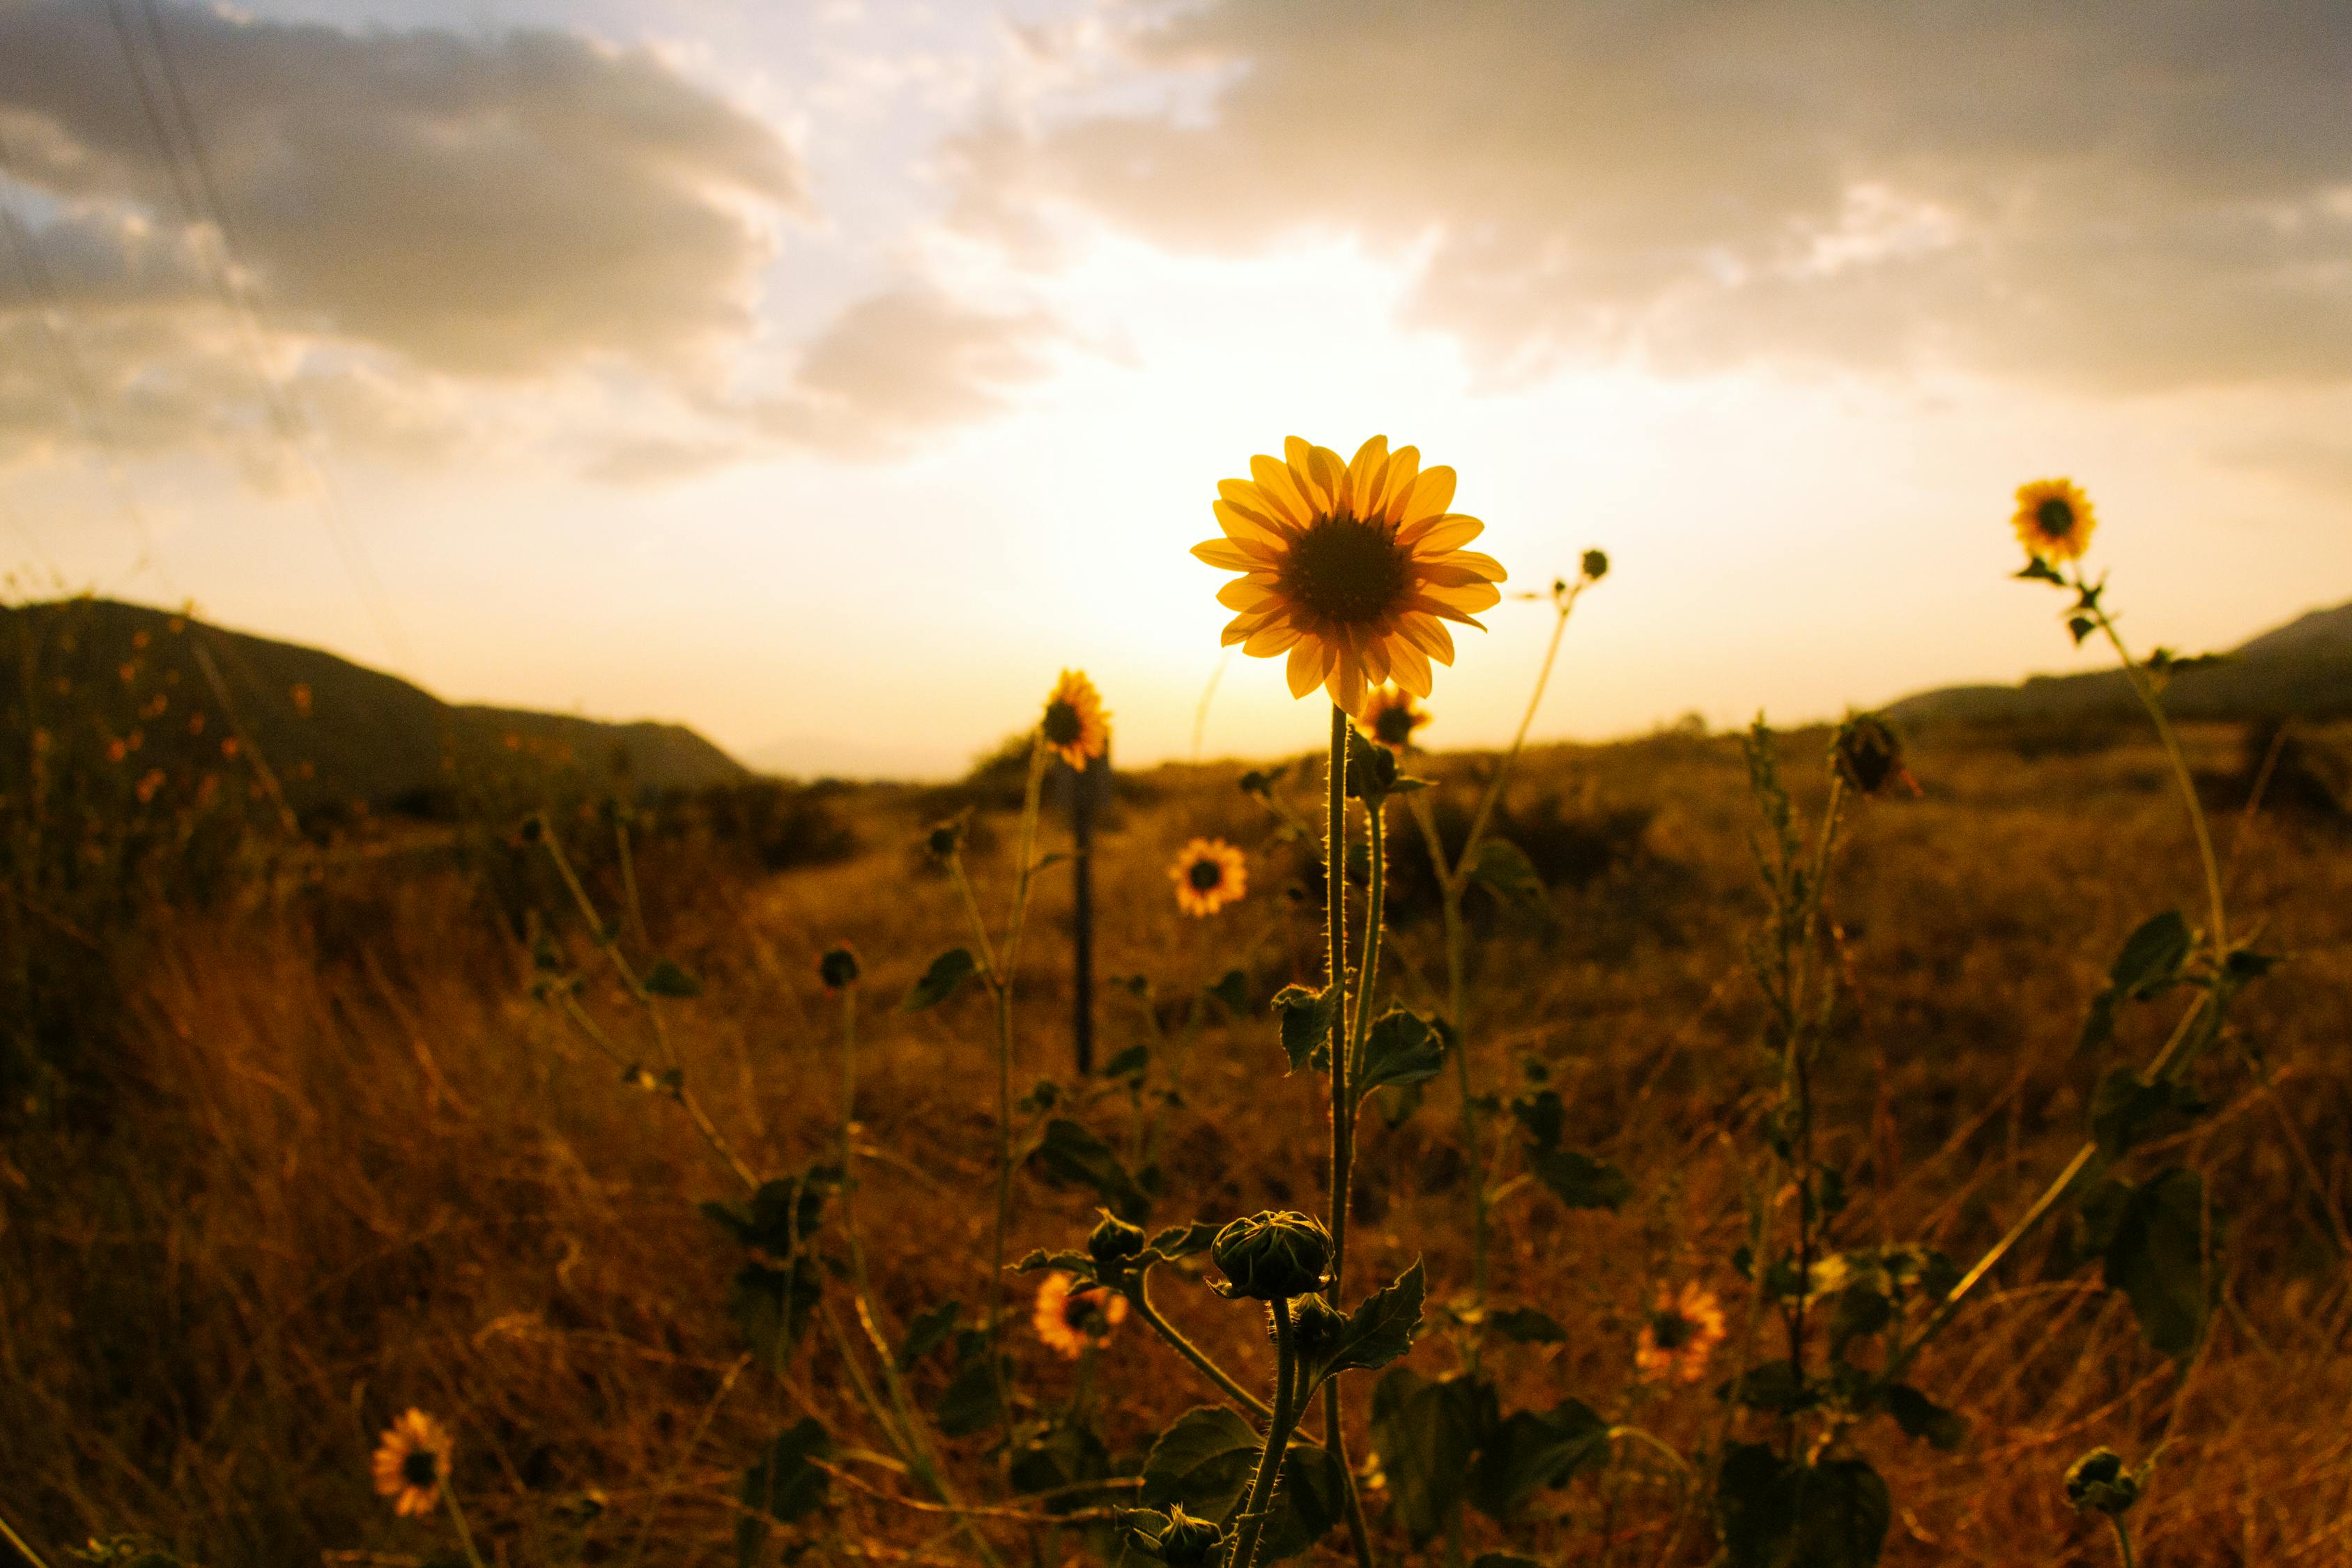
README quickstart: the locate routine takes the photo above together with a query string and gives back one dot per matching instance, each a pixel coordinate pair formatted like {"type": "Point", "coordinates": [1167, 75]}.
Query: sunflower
{"type": "Point", "coordinates": [1069, 1320]}
{"type": "Point", "coordinates": [1209, 874]}
{"type": "Point", "coordinates": [1678, 1340]}
{"type": "Point", "coordinates": [2053, 518]}
{"type": "Point", "coordinates": [1076, 728]}
{"type": "Point", "coordinates": [1352, 566]}
{"type": "Point", "coordinates": [412, 1462]}
{"type": "Point", "coordinates": [1391, 718]}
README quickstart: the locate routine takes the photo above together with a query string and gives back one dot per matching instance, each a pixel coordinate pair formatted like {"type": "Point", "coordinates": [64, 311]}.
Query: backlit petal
{"type": "Point", "coordinates": [1304, 670]}
{"type": "Point", "coordinates": [1432, 494]}
{"type": "Point", "coordinates": [1447, 531]}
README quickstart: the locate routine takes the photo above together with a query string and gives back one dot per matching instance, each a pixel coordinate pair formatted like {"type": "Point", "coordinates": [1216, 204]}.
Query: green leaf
{"type": "Point", "coordinates": [1183, 1240]}
{"type": "Point", "coordinates": [1070, 1155]}
{"type": "Point", "coordinates": [947, 973]}
{"type": "Point", "coordinates": [771, 1308]}
{"type": "Point", "coordinates": [1774, 1514]}
{"type": "Point", "coordinates": [1058, 1455]}
{"type": "Point", "coordinates": [667, 979]}
{"type": "Point", "coordinates": [1542, 1115]}
{"type": "Point", "coordinates": [1922, 1418]}
{"type": "Point", "coordinates": [1305, 1025]}
{"type": "Point", "coordinates": [2153, 1253]}
{"type": "Point", "coordinates": [2040, 571]}
{"type": "Point", "coordinates": [1232, 993]}
{"type": "Point", "coordinates": [1371, 769]}
{"type": "Point", "coordinates": [969, 1404]}
{"type": "Point", "coordinates": [1206, 1462]}
{"type": "Point", "coordinates": [782, 1215]}
{"type": "Point", "coordinates": [1772, 1386]}
{"type": "Point", "coordinates": [781, 1485]}
{"type": "Point", "coordinates": [1130, 1063]}
{"type": "Point", "coordinates": [1504, 869]}
{"type": "Point", "coordinates": [2081, 627]}
{"type": "Point", "coordinates": [1426, 1433]}
{"type": "Point", "coordinates": [2151, 956]}
{"type": "Point", "coordinates": [1534, 1449]}
{"type": "Point", "coordinates": [1400, 1047]}
{"type": "Point", "coordinates": [2127, 1111]}
{"type": "Point", "coordinates": [1524, 1325]}
{"type": "Point", "coordinates": [927, 1332]}
{"type": "Point", "coordinates": [1378, 1331]}
{"type": "Point", "coordinates": [1579, 1180]}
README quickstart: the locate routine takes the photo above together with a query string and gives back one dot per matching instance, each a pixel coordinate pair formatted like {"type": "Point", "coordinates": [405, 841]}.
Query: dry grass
{"type": "Point", "coordinates": [350, 1166]}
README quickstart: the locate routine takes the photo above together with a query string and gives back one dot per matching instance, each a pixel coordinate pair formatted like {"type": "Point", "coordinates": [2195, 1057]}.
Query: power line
{"type": "Point", "coordinates": [201, 204]}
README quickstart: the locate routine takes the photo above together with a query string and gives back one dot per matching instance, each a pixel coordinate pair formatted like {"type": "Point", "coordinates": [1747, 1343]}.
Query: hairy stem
{"type": "Point", "coordinates": [1201, 1360]}
{"type": "Point", "coordinates": [1252, 1523]}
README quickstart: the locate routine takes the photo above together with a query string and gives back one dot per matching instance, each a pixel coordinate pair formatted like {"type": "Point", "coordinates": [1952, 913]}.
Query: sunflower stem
{"type": "Point", "coordinates": [1278, 1441]}
{"type": "Point", "coordinates": [24, 1548]}
{"type": "Point", "coordinates": [458, 1522]}
{"type": "Point", "coordinates": [1201, 1360]}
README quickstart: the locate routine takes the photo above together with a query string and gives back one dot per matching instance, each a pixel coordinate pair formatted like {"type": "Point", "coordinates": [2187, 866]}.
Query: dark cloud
{"type": "Point", "coordinates": [2114, 196]}
{"type": "Point", "coordinates": [485, 207]}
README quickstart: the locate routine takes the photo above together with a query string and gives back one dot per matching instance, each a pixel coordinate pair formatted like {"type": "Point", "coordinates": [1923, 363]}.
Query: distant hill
{"type": "Point", "coordinates": [2301, 670]}
{"type": "Point", "coordinates": [174, 689]}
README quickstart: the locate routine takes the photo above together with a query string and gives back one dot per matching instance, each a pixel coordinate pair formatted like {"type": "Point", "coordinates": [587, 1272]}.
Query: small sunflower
{"type": "Point", "coordinates": [1678, 1340]}
{"type": "Point", "coordinates": [1353, 566]}
{"type": "Point", "coordinates": [1209, 874]}
{"type": "Point", "coordinates": [412, 1462]}
{"type": "Point", "coordinates": [1391, 718]}
{"type": "Point", "coordinates": [1069, 1320]}
{"type": "Point", "coordinates": [1076, 728]}
{"type": "Point", "coordinates": [2053, 520]}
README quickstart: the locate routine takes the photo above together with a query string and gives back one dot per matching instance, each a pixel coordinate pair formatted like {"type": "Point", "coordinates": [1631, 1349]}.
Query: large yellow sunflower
{"type": "Point", "coordinates": [2053, 520]}
{"type": "Point", "coordinates": [1075, 726]}
{"type": "Point", "coordinates": [1352, 567]}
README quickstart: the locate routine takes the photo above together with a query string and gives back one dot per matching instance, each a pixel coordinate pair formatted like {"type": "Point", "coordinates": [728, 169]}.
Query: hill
{"type": "Point", "coordinates": [2300, 670]}
{"type": "Point", "coordinates": [177, 692]}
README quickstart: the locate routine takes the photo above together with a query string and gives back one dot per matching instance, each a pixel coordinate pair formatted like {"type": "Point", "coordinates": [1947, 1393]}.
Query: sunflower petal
{"type": "Point", "coordinates": [1429, 634]}
{"type": "Point", "coordinates": [1304, 670]}
{"type": "Point", "coordinates": [1432, 494]}
{"type": "Point", "coordinates": [1376, 661]}
{"type": "Point", "coordinates": [1365, 471]}
{"type": "Point", "coordinates": [1404, 468]}
{"type": "Point", "coordinates": [1345, 684]}
{"type": "Point", "coordinates": [1447, 531]}
{"type": "Point", "coordinates": [1246, 594]}
{"type": "Point", "coordinates": [1472, 597]}
{"type": "Point", "coordinates": [1232, 557]}
{"type": "Point", "coordinates": [1411, 666]}
{"type": "Point", "coordinates": [1247, 527]}
{"type": "Point", "coordinates": [1273, 482]}
{"type": "Point", "coordinates": [1270, 639]}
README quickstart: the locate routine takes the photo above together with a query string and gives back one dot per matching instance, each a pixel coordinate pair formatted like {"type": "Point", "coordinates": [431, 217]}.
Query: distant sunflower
{"type": "Point", "coordinates": [412, 1462]}
{"type": "Point", "coordinates": [2053, 520]}
{"type": "Point", "coordinates": [1209, 874]}
{"type": "Point", "coordinates": [1352, 566]}
{"type": "Point", "coordinates": [1068, 1320]}
{"type": "Point", "coordinates": [1678, 1340]}
{"type": "Point", "coordinates": [1391, 718]}
{"type": "Point", "coordinates": [1076, 728]}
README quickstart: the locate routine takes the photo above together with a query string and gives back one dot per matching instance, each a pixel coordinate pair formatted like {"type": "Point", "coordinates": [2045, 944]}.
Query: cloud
{"type": "Point", "coordinates": [499, 207]}
{"type": "Point", "coordinates": [2106, 197]}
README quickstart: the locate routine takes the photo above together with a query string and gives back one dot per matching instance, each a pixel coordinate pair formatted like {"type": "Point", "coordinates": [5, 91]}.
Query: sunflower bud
{"type": "Point", "coordinates": [1273, 1256]}
{"type": "Point", "coordinates": [1114, 1241]}
{"type": "Point", "coordinates": [945, 839]}
{"type": "Point", "coordinates": [1596, 566]}
{"type": "Point", "coordinates": [1866, 753]}
{"type": "Point", "coordinates": [2099, 1482]}
{"type": "Point", "coordinates": [1190, 1542]}
{"type": "Point", "coordinates": [839, 968]}
{"type": "Point", "coordinates": [1315, 1326]}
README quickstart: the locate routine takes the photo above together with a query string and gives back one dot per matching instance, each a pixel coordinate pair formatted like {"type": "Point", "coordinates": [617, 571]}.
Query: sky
{"type": "Point", "coordinates": [828, 374]}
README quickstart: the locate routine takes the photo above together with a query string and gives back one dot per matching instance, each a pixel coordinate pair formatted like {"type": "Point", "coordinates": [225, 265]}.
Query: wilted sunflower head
{"type": "Point", "coordinates": [1351, 567]}
{"type": "Point", "coordinates": [1391, 717]}
{"type": "Point", "coordinates": [410, 1462]}
{"type": "Point", "coordinates": [2053, 520]}
{"type": "Point", "coordinates": [1070, 1316]}
{"type": "Point", "coordinates": [1209, 874]}
{"type": "Point", "coordinates": [1074, 726]}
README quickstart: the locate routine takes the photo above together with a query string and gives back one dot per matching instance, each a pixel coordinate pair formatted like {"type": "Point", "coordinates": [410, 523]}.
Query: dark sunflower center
{"type": "Point", "coordinates": [1205, 875]}
{"type": "Point", "coordinates": [1670, 1330]}
{"type": "Point", "coordinates": [1063, 726]}
{"type": "Point", "coordinates": [1084, 1315]}
{"type": "Point", "coordinates": [1393, 727]}
{"type": "Point", "coordinates": [2054, 517]}
{"type": "Point", "coordinates": [1345, 570]}
{"type": "Point", "coordinates": [422, 1467]}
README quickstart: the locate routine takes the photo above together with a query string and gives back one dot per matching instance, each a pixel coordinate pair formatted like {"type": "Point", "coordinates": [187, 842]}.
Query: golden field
{"type": "Point", "coordinates": [341, 1163]}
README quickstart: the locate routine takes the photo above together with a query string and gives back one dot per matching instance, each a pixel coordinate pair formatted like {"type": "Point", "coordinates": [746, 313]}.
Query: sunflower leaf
{"type": "Point", "coordinates": [1305, 1025]}
{"type": "Point", "coordinates": [946, 975]}
{"type": "Point", "coordinates": [1400, 1047]}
